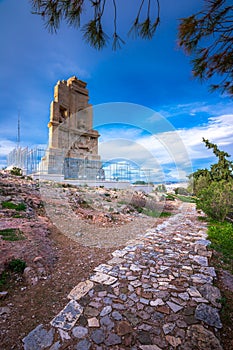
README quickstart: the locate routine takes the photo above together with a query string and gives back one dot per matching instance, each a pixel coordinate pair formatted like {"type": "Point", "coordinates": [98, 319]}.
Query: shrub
{"type": "Point", "coordinates": [216, 200]}
{"type": "Point", "coordinates": [138, 201]}
{"type": "Point", "coordinates": [17, 265]}
{"type": "Point", "coordinates": [214, 187]}
{"type": "Point", "coordinates": [3, 278]}
{"type": "Point", "coordinates": [10, 205]}
{"type": "Point", "coordinates": [182, 191]}
{"type": "Point", "coordinates": [16, 171]}
{"type": "Point", "coordinates": [11, 234]}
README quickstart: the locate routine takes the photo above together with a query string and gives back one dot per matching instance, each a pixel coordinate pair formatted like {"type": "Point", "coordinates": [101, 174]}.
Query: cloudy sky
{"type": "Point", "coordinates": [147, 106]}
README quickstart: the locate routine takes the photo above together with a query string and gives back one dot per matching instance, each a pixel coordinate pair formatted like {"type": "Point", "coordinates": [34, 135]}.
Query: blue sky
{"type": "Point", "coordinates": [143, 76]}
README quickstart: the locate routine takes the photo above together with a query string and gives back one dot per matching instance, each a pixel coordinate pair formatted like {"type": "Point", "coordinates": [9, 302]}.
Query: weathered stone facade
{"type": "Point", "coordinates": [73, 144]}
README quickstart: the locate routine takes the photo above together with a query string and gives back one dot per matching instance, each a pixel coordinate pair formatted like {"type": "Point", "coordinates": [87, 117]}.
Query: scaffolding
{"type": "Point", "coordinates": [30, 161]}
{"type": "Point", "coordinates": [26, 159]}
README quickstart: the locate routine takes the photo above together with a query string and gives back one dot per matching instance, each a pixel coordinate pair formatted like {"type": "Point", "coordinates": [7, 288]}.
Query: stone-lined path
{"type": "Point", "coordinates": [156, 293]}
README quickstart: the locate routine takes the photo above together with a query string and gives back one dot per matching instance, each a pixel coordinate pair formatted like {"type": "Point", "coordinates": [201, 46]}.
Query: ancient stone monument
{"type": "Point", "coordinates": [73, 144]}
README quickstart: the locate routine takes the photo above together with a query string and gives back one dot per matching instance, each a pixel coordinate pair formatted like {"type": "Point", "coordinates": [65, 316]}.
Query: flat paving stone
{"type": "Point", "coordinates": [38, 339]}
{"type": "Point", "coordinates": [67, 318]}
{"type": "Point", "coordinates": [105, 311]}
{"type": "Point", "coordinates": [80, 290]}
{"type": "Point", "coordinates": [209, 315]}
{"type": "Point", "coordinates": [149, 347]}
{"type": "Point", "coordinates": [197, 334]}
{"type": "Point", "coordinates": [201, 260]}
{"type": "Point", "coordinates": [93, 322]}
{"type": "Point", "coordinates": [84, 344]}
{"type": "Point", "coordinates": [174, 307]}
{"type": "Point", "coordinates": [103, 278]}
{"type": "Point", "coordinates": [79, 332]}
{"type": "Point", "coordinates": [117, 316]}
{"type": "Point", "coordinates": [98, 336]}
{"type": "Point", "coordinates": [112, 339]}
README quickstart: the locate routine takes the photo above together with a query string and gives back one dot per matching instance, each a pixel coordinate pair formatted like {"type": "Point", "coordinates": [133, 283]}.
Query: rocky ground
{"type": "Point", "coordinates": [156, 292]}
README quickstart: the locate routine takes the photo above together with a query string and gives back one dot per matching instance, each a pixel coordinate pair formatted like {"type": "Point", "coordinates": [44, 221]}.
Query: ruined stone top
{"type": "Point", "coordinates": [74, 84]}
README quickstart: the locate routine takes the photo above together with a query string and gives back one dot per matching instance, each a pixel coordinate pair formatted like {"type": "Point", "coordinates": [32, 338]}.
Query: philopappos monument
{"type": "Point", "coordinates": [73, 143]}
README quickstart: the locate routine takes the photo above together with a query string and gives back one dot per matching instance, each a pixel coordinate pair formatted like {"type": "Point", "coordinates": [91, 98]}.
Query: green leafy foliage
{"type": "Point", "coordinates": [208, 36]}
{"type": "Point", "coordinates": [182, 191]}
{"type": "Point", "coordinates": [3, 278]}
{"type": "Point", "coordinates": [221, 236]}
{"type": "Point", "coordinates": [11, 234]}
{"type": "Point", "coordinates": [53, 12]}
{"type": "Point", "coordinates": [140, 182]}
{"type": "Point", "coordinates": [16, 171]}
{"type": "Point", "coordinates": [17, 265]}
{"type": "Point", "coordinates": [155, 213]}
{"type": "Point", "coordinates": [216, 200]}
{"type": "Point", "coordinates": [170, 197]}
{"type": "Point", "coordinates": [186, 199]}
{"type": "Point", "coordinates": [9, 275]}
{"type": "Point", "coordinates": [214, 187]}
{"type": "Point", "coordinates": [11, 205]}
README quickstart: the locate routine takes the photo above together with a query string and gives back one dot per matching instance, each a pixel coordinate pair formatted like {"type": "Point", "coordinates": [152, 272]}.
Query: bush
{"type": "Point", "coordinates": [11, 234]}
{"type": "Point", "coordinates": [214, 187]}
{"type": "Point", "coordinates": [10, 205]}
{"type": "Point", "coordinates": [17, 265]}
{"type": "Point", "coordinates": [138, 201]}
{"type": "Point", "coordinates": [216, 200]}
{"type": "Point", "coordinates": [16, 171]}
{"type": "Point", "coordinates": [182, 191]}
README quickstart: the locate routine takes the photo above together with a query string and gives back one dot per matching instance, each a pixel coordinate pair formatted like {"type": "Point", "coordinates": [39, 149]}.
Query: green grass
{"type": "Point", "coordinates": [170, 197]}
{"type": "Point", "coordinates": [10, 205]}
{"type": "Point", "coordinates": [3, 278]}
{"type": "Point", "coordinates": [155, 214]}
{"type": "Point", "coordinates": [17, 265]}
{"type": "Point", "coordinates": [186, 199]}
{"type": "Point", "coordinates": [165, 214]}
{"type": "Point", "coordinates": [203, 218]}
{"type": "Point", "coordinates": [11, 234]}
{"type": "Point", "coordinates": [17, 216]}
{"type": "Point", "coordinates": [221, 237]}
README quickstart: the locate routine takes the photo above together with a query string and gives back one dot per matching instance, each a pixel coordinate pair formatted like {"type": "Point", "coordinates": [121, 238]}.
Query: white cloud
{"type": "Point", "coordinates": [6, 146]}
{"type": "Point", "coordinates": [192, 109]}
{"type": "Point", "coordinates": [166, 152]}
{"type": "Point", "coordinates": [172, 151]}
{"type": "Point", "coordinates": [219, 130]}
